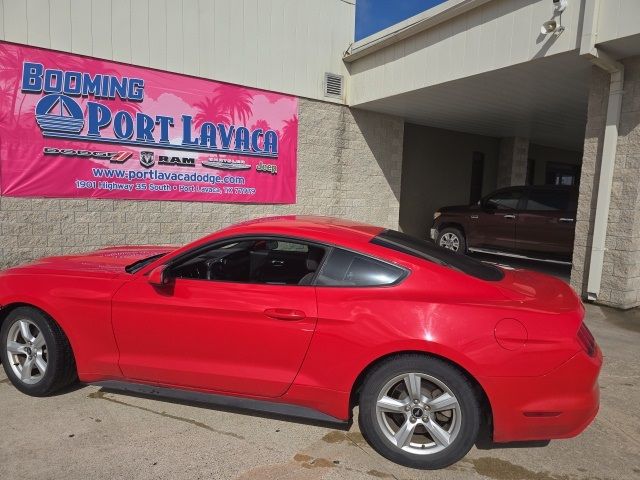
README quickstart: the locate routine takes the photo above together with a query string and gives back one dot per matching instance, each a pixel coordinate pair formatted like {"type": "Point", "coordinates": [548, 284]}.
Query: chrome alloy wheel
{"type": "Point", "coordinates": [418, 413]}
{"type": "Point", "coordinates": [27, 351]}
{"type": "Point", "coordinates": [450, 241]}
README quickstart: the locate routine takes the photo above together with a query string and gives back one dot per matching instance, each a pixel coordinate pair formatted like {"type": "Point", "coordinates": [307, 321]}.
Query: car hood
{"type": "Point", "coordinates": [104, 262]}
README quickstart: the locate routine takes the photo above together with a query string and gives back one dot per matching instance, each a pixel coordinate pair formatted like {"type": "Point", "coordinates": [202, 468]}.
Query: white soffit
{"type": "Point", "coordinates": [545, 100]}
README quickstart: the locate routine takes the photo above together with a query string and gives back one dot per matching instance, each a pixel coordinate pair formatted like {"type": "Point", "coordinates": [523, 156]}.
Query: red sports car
{"type": "Point", "coordinates": [311, 316]}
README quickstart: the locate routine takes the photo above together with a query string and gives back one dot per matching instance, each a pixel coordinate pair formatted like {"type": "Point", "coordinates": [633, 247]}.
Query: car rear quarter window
{"type": "Point", "coordinates": [349, 269]}
{"type": "Point", "coordinates": [416, 247]}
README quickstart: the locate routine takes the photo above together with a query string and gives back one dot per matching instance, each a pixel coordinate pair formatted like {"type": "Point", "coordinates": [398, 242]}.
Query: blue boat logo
{"type": "Point", "coordinates": [59, 113]}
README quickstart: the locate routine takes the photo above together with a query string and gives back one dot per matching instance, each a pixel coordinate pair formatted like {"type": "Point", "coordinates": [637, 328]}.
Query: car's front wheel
{"type": "Point", "coordinates": [452, 239]}
{"type": "Point", "coordinates": [419, 411]}
{"type": "Point", "coordinates": [36, 354]}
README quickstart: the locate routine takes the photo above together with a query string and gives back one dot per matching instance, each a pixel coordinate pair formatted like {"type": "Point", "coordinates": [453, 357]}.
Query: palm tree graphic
{"type": "Point", "coordinates": [237, 102]}
{"type": "Point", "coordinates": [289, 143]}
{"type": "Point", "coordinates": [210, 111]}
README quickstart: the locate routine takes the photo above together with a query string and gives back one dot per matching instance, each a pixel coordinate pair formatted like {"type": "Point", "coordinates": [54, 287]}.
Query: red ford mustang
{"type": "Point", "coordinates": [311, 316]}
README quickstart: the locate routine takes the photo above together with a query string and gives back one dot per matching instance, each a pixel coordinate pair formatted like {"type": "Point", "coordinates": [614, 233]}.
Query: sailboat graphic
{"type": "Point", "coordinates": [59, 113]}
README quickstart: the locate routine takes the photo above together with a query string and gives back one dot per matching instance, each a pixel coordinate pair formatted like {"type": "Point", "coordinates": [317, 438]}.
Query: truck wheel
{"type": "Point", "coordinates": [452, 239]}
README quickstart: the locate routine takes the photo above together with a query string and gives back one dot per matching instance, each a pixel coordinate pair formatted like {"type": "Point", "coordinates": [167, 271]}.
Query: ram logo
{"type": "Point", "coordinates": [146, 159]}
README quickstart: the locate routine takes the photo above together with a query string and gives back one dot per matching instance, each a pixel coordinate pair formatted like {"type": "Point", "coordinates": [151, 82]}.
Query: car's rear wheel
{"type": "Point", "coordinates": [452, 239]}
{"type": "Point", "coordinates": [36, 354]}
{"type": "Point", "coordinates": [419, 411]}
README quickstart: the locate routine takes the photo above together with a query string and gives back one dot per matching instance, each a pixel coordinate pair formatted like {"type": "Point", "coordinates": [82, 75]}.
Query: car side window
{"type": "Point", "coordinates": [256, 261]}
{"type": "Point", "coordinates": [349, 269]}
{"type": "Point", "coordinates": [548, 200]}
{"type": "Point", "coordinates": [505, 200]}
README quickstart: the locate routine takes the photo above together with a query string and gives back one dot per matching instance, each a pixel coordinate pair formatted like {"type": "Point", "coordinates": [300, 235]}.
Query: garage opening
{"type": "Point", "coordinates": [443, 168]}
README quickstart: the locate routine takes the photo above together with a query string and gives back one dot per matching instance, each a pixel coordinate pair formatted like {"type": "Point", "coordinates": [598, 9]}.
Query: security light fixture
{"type": "Point", "coordinates": [548, 27]}
{"type": "Point", "coordinates": [560, 5]}
{"type": "Point", "coordinates": [551, 27]}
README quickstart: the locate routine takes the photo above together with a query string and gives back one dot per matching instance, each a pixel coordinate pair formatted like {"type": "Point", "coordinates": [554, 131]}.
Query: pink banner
{"type": "Point", "coordinates": [73, 126]}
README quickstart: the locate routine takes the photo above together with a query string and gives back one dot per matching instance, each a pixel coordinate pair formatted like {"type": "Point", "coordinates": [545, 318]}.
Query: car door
{"type": "Point", "coordinates": [493, 226]}
{"type": "Point", "coordinates": [211, 334]}
{"type": "Point", "coordinates": [546, 225]}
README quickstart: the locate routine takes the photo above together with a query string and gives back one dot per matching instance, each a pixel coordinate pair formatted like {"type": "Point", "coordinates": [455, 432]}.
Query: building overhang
{"type": "Point", "coordinates": [544, 100]}
{"type": "Point", "coordinates": [489, 67]}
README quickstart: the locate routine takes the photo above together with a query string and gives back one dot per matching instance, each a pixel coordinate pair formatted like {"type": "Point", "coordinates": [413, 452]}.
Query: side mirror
{"type": "Point", "coordinates": [158, 276]}
{"type": "Point", "coordinates": [489, 207]}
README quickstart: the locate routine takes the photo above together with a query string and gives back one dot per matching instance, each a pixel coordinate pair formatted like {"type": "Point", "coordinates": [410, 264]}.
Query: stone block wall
{"type": "Point", "coordinates": [349, 165]}
{"type": "Point", "coordinates": [621, 270]}
{"type": "Point", "coordinates": [512, 161]}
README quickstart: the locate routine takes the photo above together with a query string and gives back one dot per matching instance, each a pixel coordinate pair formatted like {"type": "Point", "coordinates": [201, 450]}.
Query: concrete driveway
{"type": "Point", "coordinates": [91, 433]}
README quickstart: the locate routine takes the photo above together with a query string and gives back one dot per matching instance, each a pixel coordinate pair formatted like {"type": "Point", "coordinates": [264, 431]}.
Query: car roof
{"type": "Point", "coordinates": [320, 228]}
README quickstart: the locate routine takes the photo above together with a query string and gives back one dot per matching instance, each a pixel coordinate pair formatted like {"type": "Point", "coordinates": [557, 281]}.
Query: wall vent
{"type": "Point", "coordinates": [333, 85]}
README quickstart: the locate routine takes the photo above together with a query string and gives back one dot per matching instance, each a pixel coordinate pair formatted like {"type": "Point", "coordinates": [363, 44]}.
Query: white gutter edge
{"type": "Point", "coordinates": [609, 144]}
{"type": "Point", "coordinates": [409, 27]}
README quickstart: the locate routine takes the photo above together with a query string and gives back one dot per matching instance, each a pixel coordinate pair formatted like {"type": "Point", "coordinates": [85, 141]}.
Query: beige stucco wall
{"type": "Point", "coordinates": [349, 165]}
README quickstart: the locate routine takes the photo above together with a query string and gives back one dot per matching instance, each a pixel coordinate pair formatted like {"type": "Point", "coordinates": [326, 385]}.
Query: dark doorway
{"type": "Point", "coordinates": [477, 175]}
{"type": "Point", "coordinates": [531, 172]}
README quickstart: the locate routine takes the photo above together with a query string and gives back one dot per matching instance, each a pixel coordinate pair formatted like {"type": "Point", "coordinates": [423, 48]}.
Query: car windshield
{"type": "Point", "coordinates": [137, 265]}
{"type": "Point", "coordinates": [416, 247]}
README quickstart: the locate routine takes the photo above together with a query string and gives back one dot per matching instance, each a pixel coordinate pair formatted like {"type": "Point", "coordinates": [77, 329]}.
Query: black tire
{"type": "Point", "coordinates": [60, 369]}
{"type": "Point", "coordinates": [451, 377]}
{"type": "Point", "coordinates": [455, 232]}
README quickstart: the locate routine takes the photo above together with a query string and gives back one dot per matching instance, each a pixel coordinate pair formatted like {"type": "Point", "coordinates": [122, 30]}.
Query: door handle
{"type": "Point", "coordinates": [508, 215]}
{"type": "Point", "coordinates": [285, 314]}
{"type": "Point", "coordinates": [277, 263]}
{"type": "Point", "coordinates": [566, 220]}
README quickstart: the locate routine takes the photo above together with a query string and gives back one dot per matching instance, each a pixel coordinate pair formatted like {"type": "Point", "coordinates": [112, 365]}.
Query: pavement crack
{"type": "Point", "coordinates": [616, 427]}
{"type": "Point", "coordinates": [391, 475]}
{"type": "Point", "coordinates": [101, 395]}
